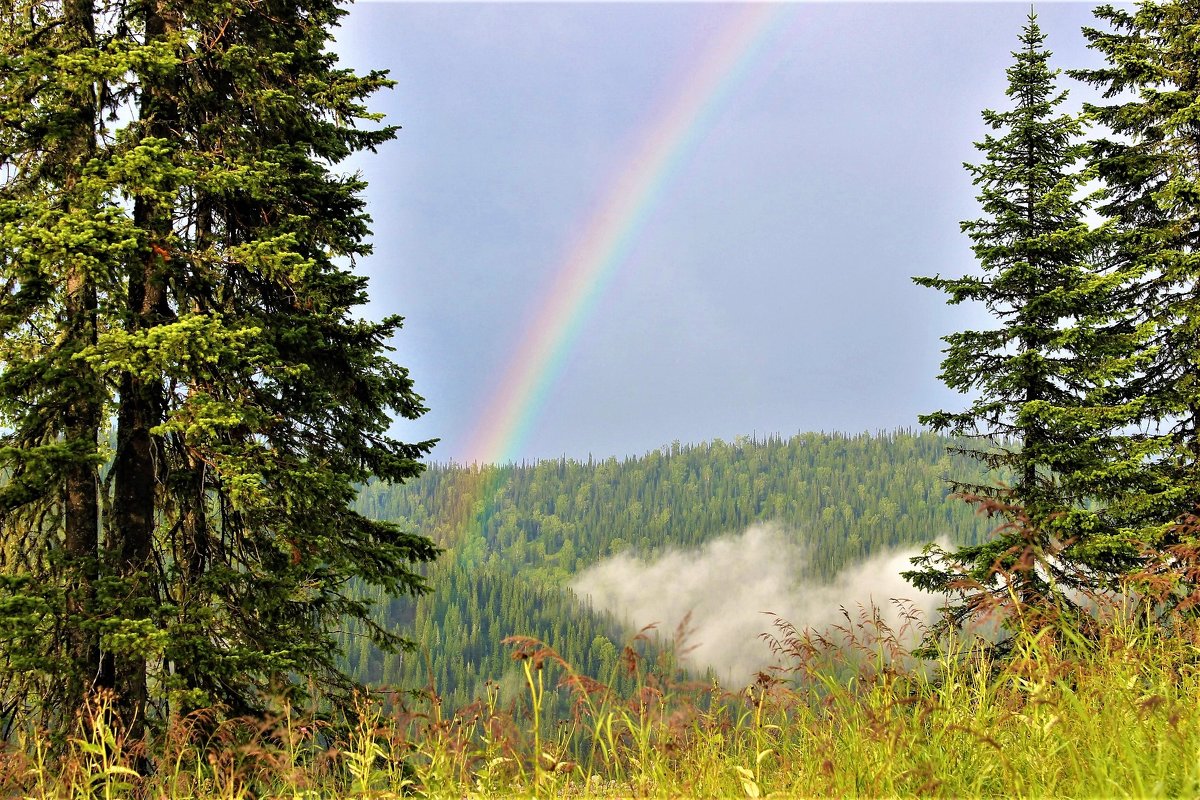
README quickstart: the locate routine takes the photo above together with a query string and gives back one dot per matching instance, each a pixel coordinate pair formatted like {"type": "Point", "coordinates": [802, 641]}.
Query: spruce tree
{"type": "Point", "coordinates": [1038, 374]}
{"type": "Point", "coordinates": [213, 329]}
{"type": "Point", "coordinates": [60, 248]}
{"type": "Point", "coordinates": [1150, 163]}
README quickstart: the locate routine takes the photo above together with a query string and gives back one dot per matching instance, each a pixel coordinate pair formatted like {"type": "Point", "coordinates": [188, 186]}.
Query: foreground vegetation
{"type": "Point", "coordinates": [854, 715]}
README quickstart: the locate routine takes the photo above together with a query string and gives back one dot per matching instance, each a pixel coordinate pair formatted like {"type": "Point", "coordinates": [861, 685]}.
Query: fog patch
{"type": "Point", "coordinates": [733, 585]}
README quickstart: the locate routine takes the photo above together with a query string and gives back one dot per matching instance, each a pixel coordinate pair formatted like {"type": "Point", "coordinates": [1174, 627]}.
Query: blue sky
{"type": "Point", "coordinates": [769, 291]}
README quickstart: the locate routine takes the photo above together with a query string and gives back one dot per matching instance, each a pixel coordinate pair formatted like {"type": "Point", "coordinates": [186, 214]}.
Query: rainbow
{"type": "Point", "coordinates": [609, 235]}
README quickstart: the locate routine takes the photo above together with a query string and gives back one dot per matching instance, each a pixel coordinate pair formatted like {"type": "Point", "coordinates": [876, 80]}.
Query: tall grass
{"type": "Point", "coordinates": [854, 715]}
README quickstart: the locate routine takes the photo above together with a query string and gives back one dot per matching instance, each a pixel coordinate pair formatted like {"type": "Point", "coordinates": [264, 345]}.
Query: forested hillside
{"type": "Point", "coordinates": [515, 534]}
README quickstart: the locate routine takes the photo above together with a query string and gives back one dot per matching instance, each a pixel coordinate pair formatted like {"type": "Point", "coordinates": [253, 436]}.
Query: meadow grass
{"type": "Point", "coordinates": [854, 715]}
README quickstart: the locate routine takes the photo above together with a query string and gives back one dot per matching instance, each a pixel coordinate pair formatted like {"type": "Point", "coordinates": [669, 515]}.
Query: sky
{"type": "Point", "coordinates": [614, 226]}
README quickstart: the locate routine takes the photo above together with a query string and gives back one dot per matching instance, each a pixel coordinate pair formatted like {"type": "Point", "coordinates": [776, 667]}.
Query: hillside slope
{"type": "Point", "coordinates": [515, 535]}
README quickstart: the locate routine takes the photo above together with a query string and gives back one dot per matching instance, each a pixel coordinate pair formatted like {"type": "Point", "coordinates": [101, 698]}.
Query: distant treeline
{"type": "Point", "coordinates": [514, 536]}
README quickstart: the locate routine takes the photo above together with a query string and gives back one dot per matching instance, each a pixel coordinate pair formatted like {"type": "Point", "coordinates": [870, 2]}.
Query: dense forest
{"type": "Point", "coordinates": [531, 527]}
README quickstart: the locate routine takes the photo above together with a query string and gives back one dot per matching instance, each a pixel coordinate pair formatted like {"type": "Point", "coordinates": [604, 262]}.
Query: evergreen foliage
{"type": "Point", "coordinates": [1150, 164]}
{"type": "Point", "coordinates": [174, 251]}
{"type": "Point", "coordinates": [59, 243]}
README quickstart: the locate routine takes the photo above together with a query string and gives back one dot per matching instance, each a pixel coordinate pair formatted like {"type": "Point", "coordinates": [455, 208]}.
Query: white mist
{"type": "Point", "coordinates": [734, 587]}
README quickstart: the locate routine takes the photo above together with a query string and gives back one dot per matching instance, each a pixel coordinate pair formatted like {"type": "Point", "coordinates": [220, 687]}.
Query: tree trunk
{"type": "Point", "coordinates": [137, 467]}
{"type": "Point", "coordinates": [82, 418]}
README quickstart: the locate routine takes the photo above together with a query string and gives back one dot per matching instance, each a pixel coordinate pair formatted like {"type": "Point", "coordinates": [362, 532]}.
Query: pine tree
{"type": "Point", "coordinates": [214, 322]}
{"type": "Point", "coordinates": [1151, 166]}
{"type": "Point", "coordinates": [1040, 374]}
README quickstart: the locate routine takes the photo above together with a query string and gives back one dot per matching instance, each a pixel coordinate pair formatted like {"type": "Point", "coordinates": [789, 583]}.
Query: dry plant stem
{"type": "Point", "coordinates": [537, 691]}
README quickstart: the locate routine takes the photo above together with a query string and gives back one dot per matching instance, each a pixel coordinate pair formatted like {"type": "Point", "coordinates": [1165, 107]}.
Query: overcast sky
{"type": "Point", "coordinates": [769, 290]}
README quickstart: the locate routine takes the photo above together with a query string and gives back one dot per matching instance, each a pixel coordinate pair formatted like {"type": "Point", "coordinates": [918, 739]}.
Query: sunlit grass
{"type": "Point", "coordinates": [1059, 717]}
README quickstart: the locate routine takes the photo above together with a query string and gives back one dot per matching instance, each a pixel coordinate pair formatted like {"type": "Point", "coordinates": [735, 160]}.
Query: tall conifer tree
{"type": "Point", "coordinates": [1037, 374]}
{"type": "Point", "coordinates": [1151, 166]}
{"type": "Point", "coordinates": [194, 284]}
{"type": "Point", "coordinates": [60, 248]}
